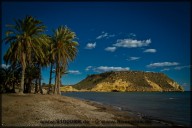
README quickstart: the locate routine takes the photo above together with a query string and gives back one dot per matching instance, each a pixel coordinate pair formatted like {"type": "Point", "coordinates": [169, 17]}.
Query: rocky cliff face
{"type": "Point", "coordinates": [124, 81]}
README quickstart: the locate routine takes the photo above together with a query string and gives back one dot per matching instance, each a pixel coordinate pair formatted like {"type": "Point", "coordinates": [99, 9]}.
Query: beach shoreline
{"type": "Point", "coordinates": [56, 110]}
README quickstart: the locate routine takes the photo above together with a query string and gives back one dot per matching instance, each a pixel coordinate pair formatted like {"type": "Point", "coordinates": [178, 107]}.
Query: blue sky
{"type": "Point", "coordinates": [142, 36]}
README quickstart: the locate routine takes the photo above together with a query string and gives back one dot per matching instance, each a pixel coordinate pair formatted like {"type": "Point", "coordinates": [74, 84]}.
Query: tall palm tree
{"type": "Point", "coordinates": [64, 50]}
{"type": "Point", "coordinates": [25, 38]}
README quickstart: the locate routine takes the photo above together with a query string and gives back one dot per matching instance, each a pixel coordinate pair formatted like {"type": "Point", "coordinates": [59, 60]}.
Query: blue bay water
{"type": "Point", "coordinates": [169, 106]}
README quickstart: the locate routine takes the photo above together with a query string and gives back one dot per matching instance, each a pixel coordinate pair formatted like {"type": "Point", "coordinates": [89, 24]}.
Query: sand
{"type": "Point", "coordinates": [55, 110]}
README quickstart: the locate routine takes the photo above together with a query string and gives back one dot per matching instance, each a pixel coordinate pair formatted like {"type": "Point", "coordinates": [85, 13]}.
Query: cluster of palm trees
{"type": "Point", "coordinates": [31, 49]}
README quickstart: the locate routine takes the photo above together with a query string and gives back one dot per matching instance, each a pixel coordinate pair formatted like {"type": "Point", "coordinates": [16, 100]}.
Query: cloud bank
{"type": "Point", "coordinates": [162, 64]}
{"type": "Point", "coordinates": [132, 43]}
{"type": "Point", "coordinates": [106, 69]}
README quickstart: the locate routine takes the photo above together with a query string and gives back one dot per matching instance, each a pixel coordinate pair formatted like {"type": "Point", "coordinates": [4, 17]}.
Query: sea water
{"type": "Point", "coordinates": [168, 106]}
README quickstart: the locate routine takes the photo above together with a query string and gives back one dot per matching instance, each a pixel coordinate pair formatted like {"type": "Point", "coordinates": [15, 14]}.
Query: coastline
{"type": "Point", "coordinates": [146, 120]}
{"type": "Point", "coordinates": [55, 110]}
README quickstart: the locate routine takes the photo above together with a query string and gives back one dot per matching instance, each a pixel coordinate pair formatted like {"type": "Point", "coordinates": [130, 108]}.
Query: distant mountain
{"type": "Point", "coordinates": [125, 81]}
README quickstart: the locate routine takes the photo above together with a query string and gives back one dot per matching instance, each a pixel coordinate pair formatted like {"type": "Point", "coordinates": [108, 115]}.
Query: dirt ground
{"type": "Point", "coordinates": [55, 110]}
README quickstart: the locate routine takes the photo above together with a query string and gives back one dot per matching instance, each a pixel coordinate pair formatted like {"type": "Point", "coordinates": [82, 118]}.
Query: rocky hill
{"type": "Point", "coordinates": [128, 81]}
{"type": "Point", "coordinates": [68, 89]}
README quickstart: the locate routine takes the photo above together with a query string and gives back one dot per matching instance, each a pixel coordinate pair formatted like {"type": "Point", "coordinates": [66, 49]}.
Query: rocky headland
{"type": "Point", "coordinates": [126, 81]}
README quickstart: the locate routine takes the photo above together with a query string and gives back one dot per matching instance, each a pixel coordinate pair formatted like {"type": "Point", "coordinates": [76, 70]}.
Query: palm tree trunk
{"type": "Point", "coordinates": [22, 80]}
{"type": "Point", "coordinates": [58, 75]}
{"type": "Point", "coordinates": [13, 85]}
{"type": "Point", "coordinates": [23, 74]}
{"type": "Point", "coordinates": [36, 86]}
{"type": "Point", "coordinates": [57, 85]}
{"type": "Point", "coordinates": [25, 87]}
{"type": "Point", "coordinates": [50, 78]}
{"type": "Point", "coordinates": [56, 81]}
{"type": "Point", "coordinates": [40, 88]}
{"type": "Point", "coordinates": [29, 86]}
{"type": "Point", "coordinates": [59, 81]}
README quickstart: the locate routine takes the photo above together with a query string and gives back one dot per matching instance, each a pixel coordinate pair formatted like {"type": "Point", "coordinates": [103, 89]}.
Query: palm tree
{"type": "Point", "coordinates": [64, 50]}
{"type": "Point", "coordinates": [9, 77]}
{"type": "Point", "coordinates": [25, 38]}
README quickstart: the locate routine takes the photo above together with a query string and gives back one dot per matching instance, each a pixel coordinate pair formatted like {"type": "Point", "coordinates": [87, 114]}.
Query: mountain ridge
{"type": "Point", "coordinates": [125, 81]}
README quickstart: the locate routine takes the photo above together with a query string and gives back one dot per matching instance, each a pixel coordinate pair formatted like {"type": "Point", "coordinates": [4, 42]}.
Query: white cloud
{"type": "Point", "coordinates": [150, 50]}
{"type": "Point", "coordinates": [132, 43]}
{"type": "Point", "coordinates": [181, 67]}
{"type": "Point", "coordinates": [5, 66]}
{"type": "Point", "coordinates": [102, 36]}
{"type": "Point", "coordinates": [76, 72]}
{"type": "Point", "coordinates": [132, 35]}
{"type": "Point", "coordinates": [133, 58]}
{"type": "Point", "coordinates": [105, 35]}
{"type": "Point", "coordinates": [106, 69]}
{"type": "Point", "coordinates": [165, 69]}
{"type": "Point", "coordinates": [90, 45]}
{"type": "Point", "coordinates": [88, 68]}
{"type": "Point", "coordinates": [162, 64]}
{"type": "Point", "coordinates": [110, 49]}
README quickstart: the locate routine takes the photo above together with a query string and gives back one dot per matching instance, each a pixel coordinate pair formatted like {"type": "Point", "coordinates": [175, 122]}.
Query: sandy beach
{"type": "Point", "coordinates": [55, 110]}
